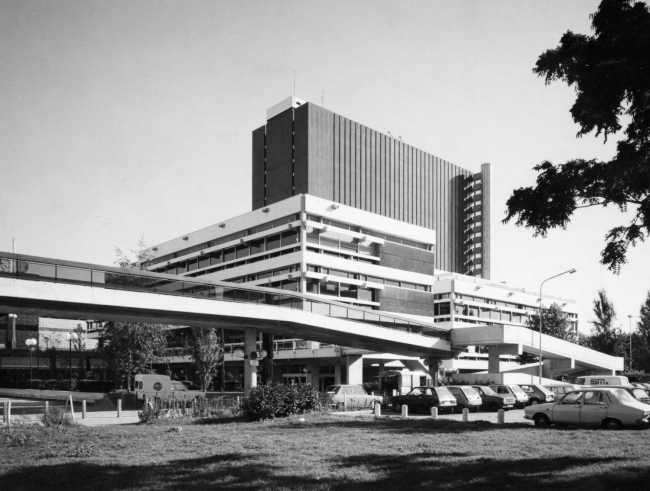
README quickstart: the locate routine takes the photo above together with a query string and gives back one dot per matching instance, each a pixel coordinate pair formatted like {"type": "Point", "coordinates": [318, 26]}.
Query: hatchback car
{"type": "Point", "coordinates": [537, 394]}
{"type": "Point", "coordinates": [493, 401]}
{"type": "Point", "coordinates": [466, 397]}
{"type": "Point", "coordinates": [607, 407]}
{"type": "Point", "coordinates": [352, 395]}
{"type": "Point", "coordinates": [520, 396]}
{"type": "Point", "coordinates": [424, 398]}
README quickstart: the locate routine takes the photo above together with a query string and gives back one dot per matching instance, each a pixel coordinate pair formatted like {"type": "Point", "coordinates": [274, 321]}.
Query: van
{"type": "Point", "coordinates": [559, 389]}
{"type": "Point", "coordinates": [149, 386]}
{"type": "Point", "coordinates": [602, 380]}
{"type": "Point", "coordinates": [400, 382]}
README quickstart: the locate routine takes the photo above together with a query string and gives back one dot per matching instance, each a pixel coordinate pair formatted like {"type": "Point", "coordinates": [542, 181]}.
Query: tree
{"type": "Point", "coordinates": [142, 257]}
{"type": "Point", "coordinates": [604, 334]}
{"type": "Point", "coordinates": [641, 339]}
{"type": "Point", "coordinates": [132, 347]}
{"type": "Point", "coordinates": [554, 323]}
{"type": "Point", "coordinates": [610, 72]}
{"type": "Point", "coordinates": [207, 352]}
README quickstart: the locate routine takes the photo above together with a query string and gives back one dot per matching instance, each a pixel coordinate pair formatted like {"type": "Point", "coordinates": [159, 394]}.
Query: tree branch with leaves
{"type": "Point", "coordinates": [610, 72]}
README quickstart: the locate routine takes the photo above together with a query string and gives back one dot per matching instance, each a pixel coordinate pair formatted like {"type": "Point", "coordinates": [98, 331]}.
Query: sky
{"type": "Point", "coordinates": [125, 120]}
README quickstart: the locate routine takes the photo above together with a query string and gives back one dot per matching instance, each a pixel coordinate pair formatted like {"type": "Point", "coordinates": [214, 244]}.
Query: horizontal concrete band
{"type": "Point", "coordinates": [87, 302]}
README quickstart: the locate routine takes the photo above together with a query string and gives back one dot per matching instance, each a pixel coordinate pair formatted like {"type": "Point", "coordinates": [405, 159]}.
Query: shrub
{"type": "Point", "coordinates": [278, 400]}
{"type": "Point", "coordinates": [159, 408]}
{"type": "Point", "coordinates": [57, 416]}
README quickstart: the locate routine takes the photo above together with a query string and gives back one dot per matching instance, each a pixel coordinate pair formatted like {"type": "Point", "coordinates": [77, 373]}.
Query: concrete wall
{"type": "Point", "coordinates": [400, 300]}
{"type": "Point", "coordinates": [406, 258]}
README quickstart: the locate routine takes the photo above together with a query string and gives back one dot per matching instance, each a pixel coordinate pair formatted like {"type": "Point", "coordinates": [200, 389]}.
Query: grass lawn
{"type": "Point", "coordinates": [325, 452]}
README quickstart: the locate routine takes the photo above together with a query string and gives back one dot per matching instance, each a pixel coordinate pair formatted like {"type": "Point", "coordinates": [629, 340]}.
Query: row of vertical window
{"type": "Point", "coordinates": [250, 248]}
{"type": "Point", "coordinates": [252, 260]}
{"type": "Point", "coordinates": [227, 238]}
{"type": "Point", "coordinates": [363, 277]}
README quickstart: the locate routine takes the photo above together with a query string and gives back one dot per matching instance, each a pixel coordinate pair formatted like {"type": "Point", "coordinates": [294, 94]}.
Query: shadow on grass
{"type": "Point", "coordinates": [377, 472]}
{"type": "Point", "coordinates": [430, 471]}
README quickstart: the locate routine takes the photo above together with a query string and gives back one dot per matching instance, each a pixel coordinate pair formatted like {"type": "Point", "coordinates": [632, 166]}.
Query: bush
{"type": "Point", "coordinates": [278, 400]}
{"type": "Point", "coordinates": [57, 416]}
{"type": "Point", "coordinates": [158, 408]}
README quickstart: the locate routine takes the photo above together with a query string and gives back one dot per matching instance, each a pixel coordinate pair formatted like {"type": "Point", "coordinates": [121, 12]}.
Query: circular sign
{"type": "Point", "coordinates": [157, 386]}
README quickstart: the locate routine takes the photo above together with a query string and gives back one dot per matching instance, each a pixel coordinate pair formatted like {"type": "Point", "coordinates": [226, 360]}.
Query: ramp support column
{"type": "Point", "coordinates": [355, 369]}
{"type": "Point", "coordinates": [250, 372]}
{"type": "Point", "coordinates": [434, 369]}
{"type": "Point", "coordinates": [314, 375]}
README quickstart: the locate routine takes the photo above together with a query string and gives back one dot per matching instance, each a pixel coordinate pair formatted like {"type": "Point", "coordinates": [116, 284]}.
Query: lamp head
{"type": "Point", "coordinates": [572, 270]}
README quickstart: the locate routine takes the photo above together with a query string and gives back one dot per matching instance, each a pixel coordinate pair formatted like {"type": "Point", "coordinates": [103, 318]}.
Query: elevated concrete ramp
{"type": "Point", "coordinates": [54, 288]}
{"type": "Point", "coordinates": [516, 339]}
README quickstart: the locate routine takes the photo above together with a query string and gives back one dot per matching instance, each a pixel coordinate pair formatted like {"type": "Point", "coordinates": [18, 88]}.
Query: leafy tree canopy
{"type": "Point", "coordinates": [610, 72]}
{"type": "Point", "coordinates": [207, 353]}
{"type": "Point", "coordinates": [604, 334]}
{"type": "Point", "coordinates": [554, 323]}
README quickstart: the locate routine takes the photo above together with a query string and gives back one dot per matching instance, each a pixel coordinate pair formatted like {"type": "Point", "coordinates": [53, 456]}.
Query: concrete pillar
{"type": "Point", "coordinates": [494, 365]}
{"type": "Point", "coordinates": [250, 372]}
{"type": "Point", "coordinates": [314, 368]}
{"type": "Point", "coordinates": [382, 366]}
{"type": "Point", "coordinates": [433, 370]}
{"type": "Point", "coordinates": [355, 369]}
{"type": "Point", "coordinates": [337, 374]}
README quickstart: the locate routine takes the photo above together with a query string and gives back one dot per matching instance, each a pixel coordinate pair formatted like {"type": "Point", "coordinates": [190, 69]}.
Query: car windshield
{"type": "Point", "coordinates": [332, 388]}
{"type": "Point", "coordinates": [488, 392]}
{"type": "Point", "coordinates": [443, 392]}
{"type": "Point", "coordinates": [469, 391]}
{"type": "Point", "coordinates": [517, 390]}
{"type": "Point", "coordinates": [623, 395]}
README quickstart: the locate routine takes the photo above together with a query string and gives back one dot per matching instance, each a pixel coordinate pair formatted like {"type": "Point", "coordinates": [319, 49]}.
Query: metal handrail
{"type": "Point", "coordinates": [18, 266]}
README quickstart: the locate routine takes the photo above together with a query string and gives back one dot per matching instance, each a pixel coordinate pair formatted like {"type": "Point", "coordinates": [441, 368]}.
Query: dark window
{"type": "Point", "coordinates": [410, 286]}
{"type": "Point", "coordinates": [313, 269]}
{"type": "Point", "coordinates": [204, 262]}
{"type": "Point", "coordinates": [171, 269]}
{"type": "Point", "coordinates": [242, 250]}
{"type": "Point", "coordinates": [312, 285]}
{"type": "Point", "coordinates": [335, 272]}
{"type": "Point", "coordinates": [192, 264]}
{"type": "Point", "coordinates": [228, 254]}
{"type": "Point", "coordinates": [329, 288]}
{"type": "Point", "coordinates": [272, 242]}
{"type": "Point", "coordinates": [215, 258]}
{"type": "Point", "coordinates": [392, 283]}
{"type": "Point", "coordinates": [347, 291]}
{"type": "Point", "coordinates": [257, 246]}
{"type": "Point", "coordinates": [181, 267]}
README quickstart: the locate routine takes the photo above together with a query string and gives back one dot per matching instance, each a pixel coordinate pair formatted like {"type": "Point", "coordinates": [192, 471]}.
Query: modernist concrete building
{"type": "Point", "coordinates": [344, 212]}
{"type": "Point", "coordinates": [305, 149]}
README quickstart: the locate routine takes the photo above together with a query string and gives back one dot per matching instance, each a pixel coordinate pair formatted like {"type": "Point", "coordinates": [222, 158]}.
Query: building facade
{"type": "Point", "coordinates": [306, 149]}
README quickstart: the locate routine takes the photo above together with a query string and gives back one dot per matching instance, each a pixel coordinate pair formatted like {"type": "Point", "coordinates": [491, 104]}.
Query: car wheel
{"type": "Point", "coordinates": [534, 402]}
{"type": "Point", "coordinates": [612, 424]}
{"type": "Point", "coordinates": [541, 420]}
{"type": "Point", "coordinates": [340, 406]}
{"type": "Point", "coordinates": [397, 407]}
{"type": "Point", "coordinates": [198, 399]}
{"type": "Point", "coordinates": [473, 409]}
{"type": "Point", "coordinates": [494, 406]}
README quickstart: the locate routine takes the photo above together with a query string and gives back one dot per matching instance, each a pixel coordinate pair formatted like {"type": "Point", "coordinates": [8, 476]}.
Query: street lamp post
{"type": "Point", "coordinates": [630, 317]}
{"type": "Point", "coordinates": [541, 316]}
{"type": "Point", "coordinates": [71, 336]}
{"type": "Point", "coordinates": [31, 342]}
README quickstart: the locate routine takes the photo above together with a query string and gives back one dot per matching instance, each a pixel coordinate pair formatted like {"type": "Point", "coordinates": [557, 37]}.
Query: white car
{"type": "Point", "coordinates": [352, 395]}
{"type": "Point", "coordinates": [607, 407]}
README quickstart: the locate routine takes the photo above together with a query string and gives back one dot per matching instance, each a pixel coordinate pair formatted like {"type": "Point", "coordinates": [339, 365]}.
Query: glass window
{"type": "Point", "coordinates": [329, 288]}
{"type": "Point", "coordinates": [572, 398]}
{"type": "Point", "coordinates": [215, 257]}
{"type": "Point", "coordinates": [410, 286]}
{"type": "Point", "coordinates": [242, 250]}
{"type": "Point", "coordinates": [273, 242]}
{"type": "Point", "coordinates": [347, 291]}
{"type": "Point", "coordinates": [171, 269]}
{"type": "Point", "coordinates": [181, 267]}
{"type": "Point", "coordinates": [365, 294]}
{"type": "Point", "coordinates": [256, 246]}
{"type": "Point", "coordinates": [204, 261]}
{"type": "Point", "coordinates": [391, 283]}
{"type": "Point", "coordinates": [594, 398]}
{"type": "Point", "coordinates": [623, 396]}
{"type": "Point", "coordinates": [192, 264]}
{"type": "Point", "coordinates": [290, 237]}
{"type": "Point", "coordinates": [229, 254]}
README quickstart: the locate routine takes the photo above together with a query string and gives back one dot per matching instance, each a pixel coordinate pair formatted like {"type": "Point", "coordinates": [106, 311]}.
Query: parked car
{"type": "Point", "coordinates": [560, 389]}
{"type": "Point", "coordinates": [424, 398]}
{"type": "Point", "coordinates": [161, 386]}
{"type": "Point", "coordinates": [537, 394]}
{"type": "Point", "coordinates": [610, 408]}
{"type": "Point", "coordinates": [520, 396]}
{"type": "Point", "coordinates": [493, 401]}
{"type": "Point", "coordinates": [639, 394]}
{"type": "Point", "coordinates": [355, 395]}
{"type": "Point", "coordinates": [466, 397]}
{"type": "Point", "coordinates": [190, 385]}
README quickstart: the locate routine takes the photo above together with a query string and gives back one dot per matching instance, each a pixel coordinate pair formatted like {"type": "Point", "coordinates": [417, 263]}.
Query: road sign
{"type": "Point", "coordinates": [254, 363]}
